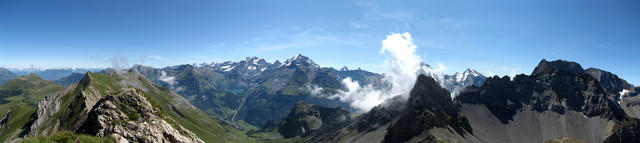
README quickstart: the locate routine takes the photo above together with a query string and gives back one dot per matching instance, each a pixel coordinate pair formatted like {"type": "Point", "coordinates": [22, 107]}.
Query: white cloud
{"type": "Point", "coordinates": [361, 98]}
{"type": "Point", "coordinates": [358, 25]}
{"type": "Point", "coordinates": [441, 68]}
{"type": "Point", "coordinates": [171, 80]}
{"type": "Point", "coordinates": [403, 66]}
{"type": "Point", "coordinates": [314, 89]}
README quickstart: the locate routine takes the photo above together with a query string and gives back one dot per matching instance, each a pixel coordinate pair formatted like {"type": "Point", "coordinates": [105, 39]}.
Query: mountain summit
{"type": "Point", "coordinates": [545, 67]}
{"type": "Point", "coordinates": [300, 61]}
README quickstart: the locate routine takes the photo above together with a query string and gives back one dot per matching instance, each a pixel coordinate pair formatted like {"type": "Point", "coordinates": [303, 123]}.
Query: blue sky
{"type": "Point", "coordinates": [498, 37]}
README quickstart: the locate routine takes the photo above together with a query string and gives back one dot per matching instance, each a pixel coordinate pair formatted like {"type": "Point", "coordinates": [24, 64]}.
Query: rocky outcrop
{"type": "Point", "coordinates": [627, 131]}
{"type": "Point", "coordinates": [611, 82]}
{"type": "Point", "coordinates": [45, 109]}
{"type": "Point", "coordinates": [304, 119]}
{"type": "Point", "coordinates": [559, 66]}
{"type": "Point", "coordinates": [5, 119]}
{"type": "Point", "coordinates": [429, 106]}
{"type": "Point", "coordinates": [557, 86]}
{"type": "Point", "coordinates": [128, 114]}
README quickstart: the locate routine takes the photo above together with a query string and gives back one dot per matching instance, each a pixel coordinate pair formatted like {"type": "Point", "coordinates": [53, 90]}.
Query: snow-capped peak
{"type": "Point", "coordinates": [469, 73]}
{"type": "Point", "coordinates": [299, 60]}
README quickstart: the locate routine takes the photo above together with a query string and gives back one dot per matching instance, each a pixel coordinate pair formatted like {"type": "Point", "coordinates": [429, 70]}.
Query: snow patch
{"type": "Point", "coordinates": [227, 68]}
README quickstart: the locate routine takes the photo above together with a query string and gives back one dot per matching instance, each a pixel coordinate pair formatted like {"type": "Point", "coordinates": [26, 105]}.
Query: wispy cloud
{"type": "Point", "coordinates": [358, 25]}
{"type": "Point", "coordinates": [362, 3]}
{"type": "Point", "coordinates": [446, 22]}
{"type": "Point", "coordinates": [155, 57]}
{"type": "Point", "coordinates": [304, 36]}
{"type": "Point", "coordinates": [402, 16]}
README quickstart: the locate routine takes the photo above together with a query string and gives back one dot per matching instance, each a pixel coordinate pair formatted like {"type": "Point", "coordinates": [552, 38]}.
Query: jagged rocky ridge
{"type": "Point", "coordinates": [124, 104]}
{"type": "Point", "coordinates": [128, 114]}
{"type": "Point", "coordinates": [558, 100]}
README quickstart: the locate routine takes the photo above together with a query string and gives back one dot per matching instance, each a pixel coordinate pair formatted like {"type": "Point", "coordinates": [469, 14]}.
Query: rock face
{"type": "Point", "coordinates": [5, 119]}
{"type": "Point", "coordinates": [45, 109]}
{"type": "Point", "coordinates": [559, 100]}
{"type": "Point", "coordinates": [557, 86]}
{"type": "Point", "coordinates": [429, 106]}
{"type": "Point", "coordinates": [611, 82]}
{"type": "Point", "coordinates": [128, 114]}
{"type": "Point", "coordinates": [304, 119]}
{"type": "Point", "coordinates": [628, 132]}
{"type": "Point", "coordinates": [559, 66]}
{"type": "Point", "coordinates": [549, 103]}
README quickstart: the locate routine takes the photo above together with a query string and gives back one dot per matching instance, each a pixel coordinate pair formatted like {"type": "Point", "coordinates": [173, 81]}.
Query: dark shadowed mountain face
{"type": "Point", "coordinates": [429, 106]}
{"type": "Point", "coordinates": [557, 92]}
{"type": "Point", "coordinates": [558, 101]}
{"type": "Point", "coordinates": [557, 86]}
{"type": "Point", "coordinates": [559, 66]}
{"type": "Point", "coordinates": [611, 82]}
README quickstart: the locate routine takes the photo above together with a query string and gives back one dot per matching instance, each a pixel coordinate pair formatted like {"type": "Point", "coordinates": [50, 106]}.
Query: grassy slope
{"type": "Point", "coordinates": [176, 109]}
{"type": "Point", "coordinates": [23, 94]}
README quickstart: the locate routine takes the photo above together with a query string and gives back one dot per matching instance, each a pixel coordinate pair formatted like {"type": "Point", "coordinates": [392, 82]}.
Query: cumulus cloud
{"type": "Point", "coordinates": [314, 89]}
{"type": "Point", "coordinates": [171, 80]}
{"type": "Point", "coordinates": [403, 67]}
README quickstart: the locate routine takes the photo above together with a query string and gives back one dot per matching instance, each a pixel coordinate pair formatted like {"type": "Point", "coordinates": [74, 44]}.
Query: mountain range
{"type": "Point", "coordinates": [252, 91]}
{"type": "Point", "coordinates": [558, 102]}
{"type": "Point", "coordinates": [257, 101]}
